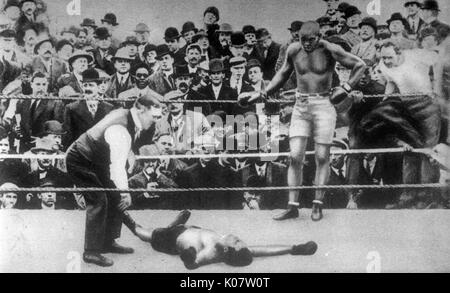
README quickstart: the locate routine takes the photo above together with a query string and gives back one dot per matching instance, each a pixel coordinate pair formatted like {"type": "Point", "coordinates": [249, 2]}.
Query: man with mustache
{"type": "Point", "coordinates": [250, 47]}
{"type": "Point", "coordinates": [46, 63]}
{"type": "Point", "coordinates": [193, 56]}
{"type": "Point", "coordinates": [367, 50]}
{"type": "Point", "coordinates": [79, 116]}
{"type": "Point", "coordinates": [34, 113]}
{"type": "Point", "coordinates": [104, 51]}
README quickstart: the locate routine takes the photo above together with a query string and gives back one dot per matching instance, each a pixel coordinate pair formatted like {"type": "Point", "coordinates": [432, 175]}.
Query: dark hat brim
{"type": "Point", "coordinates": [110, 22]}
{"type": "Point", "coordinates": [39, 149]}
{"type": "Point", "coordinates": [47, 132]}
{"type": "Point", "coordinates": [172, 38]}
{"type": "Point", "coordinates": [413, 2]}
{"type": "Point", "coordinates": [87, 56]}
{"type": "Point", "coordinates": [39, 44]}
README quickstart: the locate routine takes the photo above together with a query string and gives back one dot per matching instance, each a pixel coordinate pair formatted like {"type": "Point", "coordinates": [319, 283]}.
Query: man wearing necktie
{"type": "Point", "coordinates": [413, 18]}
{"type": "Point", "coordinates": [237, 82]}
{"type": "Point", "coordinates": [99, 159]}
{"type": "Point", "coordinates": [122, 80]}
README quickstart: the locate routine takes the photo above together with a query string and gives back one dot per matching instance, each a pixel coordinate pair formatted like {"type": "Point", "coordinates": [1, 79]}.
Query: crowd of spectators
{"type": "Point", "coordinates": [408, 54]}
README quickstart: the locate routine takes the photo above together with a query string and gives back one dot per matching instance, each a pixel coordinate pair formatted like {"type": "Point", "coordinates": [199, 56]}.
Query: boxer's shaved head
{"type": "Point", "coordinates": [310, 35]}
{"type": "Point", "coordinates": [310, 28]}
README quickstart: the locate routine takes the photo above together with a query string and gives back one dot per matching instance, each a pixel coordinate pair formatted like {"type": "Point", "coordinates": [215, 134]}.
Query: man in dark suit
{"type": "Point", "coordinates": [104, 52]}
{"type": "Point", "coordinates": [269, 52]}
{"type": "Point", "coordinates": [122, 80]}
{"type": "Point", "coordinates": [251, 51]}
{"type": "Point", "coordinates": [430, 13]}
{"type": "Point", "coordinates": [162, 80]}
{"type": "Point", "coordinates": [217, 90]}
{"type": "Point", "coordinates": [337, 198]}
{"type": "Point", "coordinates": [237, 79]}
{"type": "Point", "coordinates": [34, 113]}
{"type": "Point", "coordinates": [44, 62]}
{"type": "Point", "coordinates": [172, 38]}
{"type": "Point", "coordinates": [80, 116]}
{"type": "Point", "coordinates": [79, 62]}
{"type": "Point", "coordinates": [98, 159]}
{"type": "Point", "coordinates": [416, 23]}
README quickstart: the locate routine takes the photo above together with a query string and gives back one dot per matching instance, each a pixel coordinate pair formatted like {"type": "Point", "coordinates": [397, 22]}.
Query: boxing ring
{"type": "Point", "coordinates": [349, 240]}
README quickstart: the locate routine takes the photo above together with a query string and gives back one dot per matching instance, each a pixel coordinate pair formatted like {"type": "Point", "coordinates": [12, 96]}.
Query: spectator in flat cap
{"type": "Point", "coordinates": [122, 80]}
{"type": "Point", "coordinates": [141, 73]}
{"type": "Point", "coordinates": [430, 14]}
{"type": "Point", "coordinates": [353, 19]}
{"type": "Point", "coordinates": [188, 31]}
{"type": "Point", "coordinates": [79, 61]}
{"type": "Point", "coordinates": [110, 22]}
{"type": "Point", "coordinates": [413, 17]}
{"type": "Point", "coordinates": [193, 57]}
{"type": "Point", "coordinates": [269, 51]}
{"type": "Point", "coordinates": [367, 50]}
{"type": "Point", "coordinates": [162, 80]}
{"type": "Point", "coordinates": [237, 80]}
{"type": "Point", "coordinates": [46, 63]}
{"type": "Point", "coordinates": [149, 55]}
{"type": "Point", "coordinates": [224, 37]}
{"type": "Point", "coordinates": [80, 116]}
{"type": "Point", "coordinates": [104, 51]}
{"type": "Point", "coordinates": [398, 27]}
{"type": "Point", "coordinates": [172, 39]}
{"type": "Point", "coordinates": [217, 89]}
{"type": "Point", "coordinates": [9, 50]}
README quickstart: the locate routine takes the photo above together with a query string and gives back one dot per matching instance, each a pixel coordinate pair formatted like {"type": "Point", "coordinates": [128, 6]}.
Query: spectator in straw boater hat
{"type": "Point", "coordinates": [122, 80]}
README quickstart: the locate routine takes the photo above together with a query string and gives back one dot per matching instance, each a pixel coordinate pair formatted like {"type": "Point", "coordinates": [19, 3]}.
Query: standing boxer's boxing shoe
{"type": "Point", "coordinates": [316, 214]}
{"type": "Point", "coordinates": [290, 213]}
{"type": "Point", "coordinates": [114, 247]}
{"type": "Point", "coordinates": [308, 248]}
{"type": "Point", "coordinates": [97, 258]}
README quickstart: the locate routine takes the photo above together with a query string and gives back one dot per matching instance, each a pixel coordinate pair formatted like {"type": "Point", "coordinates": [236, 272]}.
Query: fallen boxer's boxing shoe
{"type": "Point", "coordinates": [181, 218]}
{"type": "Point", "coordinates": [97, 259]}
{"type": "Point", "coordinates": [308, 248]}
{"type": "Point", "coordinates": [114, 247]}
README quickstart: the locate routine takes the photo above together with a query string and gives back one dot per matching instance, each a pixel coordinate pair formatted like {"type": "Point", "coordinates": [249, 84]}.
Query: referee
{"type": "Point", "coordinates": [98, 159]}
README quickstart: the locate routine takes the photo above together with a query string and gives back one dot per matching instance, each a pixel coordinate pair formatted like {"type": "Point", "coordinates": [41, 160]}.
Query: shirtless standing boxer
{"type": "Point", "coordinates": [314, 61]}
{"type": "Point", "coordinates": [198, 247]}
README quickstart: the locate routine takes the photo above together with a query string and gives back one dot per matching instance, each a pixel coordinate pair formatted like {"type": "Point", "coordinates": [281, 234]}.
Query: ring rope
{"type": "Point", "coordinates": [80, 97]}
{"type": "Point", "coordinates": [183, 190]}
{"type": "Point", "coordinates": [225, 156]}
